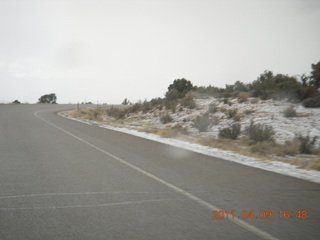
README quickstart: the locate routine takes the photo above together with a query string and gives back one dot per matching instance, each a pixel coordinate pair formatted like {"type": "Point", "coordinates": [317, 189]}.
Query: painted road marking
{"type": "Point", "coordinates": [201, 202]}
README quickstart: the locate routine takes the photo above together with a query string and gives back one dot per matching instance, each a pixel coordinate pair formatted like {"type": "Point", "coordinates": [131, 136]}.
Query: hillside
{"type": "Point", "coordinates": [201, 125]}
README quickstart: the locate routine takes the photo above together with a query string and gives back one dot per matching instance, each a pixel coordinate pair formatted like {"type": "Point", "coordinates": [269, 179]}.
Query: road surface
{"type": "Point", "coordinates": [61, 179]}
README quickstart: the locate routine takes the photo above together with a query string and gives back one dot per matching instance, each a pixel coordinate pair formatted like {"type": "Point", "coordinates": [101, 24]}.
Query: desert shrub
{"type": "Point", "coordinates": [259, 132]}
{"type": "Point", "coordinates": [180, 129]}
{"type": "Point", "coordinates": [307, 92]}
{"type": "Point", "coordinates": [267, 148]}
{"type": "Point", "coordinates": [306, 143]}
{"type": "Point", "coordinates": [258, 93]}
{"type": "Point", "coordinates": [179, 88]}
{"type": "Point", "coordinates": [202, 122]}
{"type": "Point", "coordinates": [226, 100]}
{"type": "Point", "coordinates": [290, 112]}
{"type": "Point", "coordinates": [213, 108]}
{"type": "Point", "coordinates": [230, 132]}
{"type": "Point", "coordinates": [146, 107]}
{"type": "Point", "coordinates": [243, 96]}
{"type": "Point", "coordinates": [248, 111]}
{"type": "Point", "coordinates": [263, 148]}
{"type": "Point", "coordinates": [223, 110]}
{"type": "Point", "coordinates": [90, 114]}
{"type": "Point", "coordinates": [290, 148]}
{"type": "Point", "coordinates": [156, 102]}
{"type": "Point", "coordinates": [165, 118]}
{"type": "Point", "coordinates": [135, 108]}
{"type": "Point", "coordinates": [311, 102]}
{"type": "Point", "coordinates": [188, 101]}
{"type": "Point", "coordinates": [237, 118]}
{"type": "Point", "coordinates": [116, 113]}
{"type": "Point", "coordinates": [232, 113]}
{"type": "Point", "coordinates": [171, 131]}
{"type": "Point", "coordinates": [215, 120]}
{"type": "Point", "coordinates": [254, 101]}
{"type": "Point", "coordinates": [171, 105]}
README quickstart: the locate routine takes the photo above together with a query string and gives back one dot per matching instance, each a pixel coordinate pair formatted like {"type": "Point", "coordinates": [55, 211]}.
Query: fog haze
{"type": "Point", "coordinates": [109, 50]}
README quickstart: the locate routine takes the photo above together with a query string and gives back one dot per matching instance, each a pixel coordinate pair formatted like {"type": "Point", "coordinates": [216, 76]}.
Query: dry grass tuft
{"type": "Point", "coordinates": [93, 114]}
{"type": "Point", "coordinates": [271, 148]}
{"type": "Point", "coordinates": [243, 96]}
{"type": "Point", "coordinates": [171, 132]}
{"type": "Point", "coordinates": [309, 164]}
{"type": "Point", "coordinates": [254, 101]}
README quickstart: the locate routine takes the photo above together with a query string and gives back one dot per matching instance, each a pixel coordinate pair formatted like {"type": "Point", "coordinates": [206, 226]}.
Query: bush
{"type": "Point", "coordinates": [215, 120]}
{"type": "Point", "coordinates": [188, 101]}
{"type": "Point", "coordinates": [146, 107]}
{"type": "Point", "coordinates": [290, 148]}
{"type": "Point", "coordinates": [243, 96]}
{"type": "Point", "coordinates": [311, 102]}
{"type": "Point", "coordinates": [165, 119]}
{"type": "Point", "coordinates": [171, 105]}
{"type": "Point", "coordinates": [117, 113]}
{"type": "Point", "coordinates": [179, 88]}
{"type": "Point", "coordinates": [172, 132]}
{"type": "Point", "coordinates": [48, 98]}
{"type": "Point", "coordinates": [213, 108]}
{"type": "Point", "coordinates": [306, 143]}
{"type": "Point", "coordinates": [237, 118]}
{"type": "Point", "coordinates": [259, 132]}
{"type": "Point", "coordinates": [232, 132]}
{"type": "Point", "coordinates": [202, 122]}
{"type": "Point", "coordinates": [249, 111]}
{"type": "Point", "coordinates": [254, 101]}
{"type": "Point", "coordinates": [135, 108]}
{"type": "Point", "coordinates": [290, 112]}
{"type": "Point", "coordinates": [232, 113]}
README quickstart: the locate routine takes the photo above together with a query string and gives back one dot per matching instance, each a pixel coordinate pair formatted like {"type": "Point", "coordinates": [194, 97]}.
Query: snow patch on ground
{"type": "Point", "coordinates": [277, 167]}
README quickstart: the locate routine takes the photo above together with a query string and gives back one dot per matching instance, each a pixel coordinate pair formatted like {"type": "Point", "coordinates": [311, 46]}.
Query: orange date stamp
{"type": "Point", "coordinates": [266, 214]}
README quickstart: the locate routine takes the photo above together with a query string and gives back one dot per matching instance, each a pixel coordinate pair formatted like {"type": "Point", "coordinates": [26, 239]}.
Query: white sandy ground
{"type": "Point", "coordinates": [311, 126]}
{"type": "Point", "coordinates": [267, 112]}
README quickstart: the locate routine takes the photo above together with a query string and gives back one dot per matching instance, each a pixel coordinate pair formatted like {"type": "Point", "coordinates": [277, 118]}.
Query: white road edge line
{"type": "Point", "coordinates": [243, 224]}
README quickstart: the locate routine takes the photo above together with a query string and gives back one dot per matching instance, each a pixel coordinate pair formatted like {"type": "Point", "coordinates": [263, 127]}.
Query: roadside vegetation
{"type": "Point", "coordinates": [254, 139]}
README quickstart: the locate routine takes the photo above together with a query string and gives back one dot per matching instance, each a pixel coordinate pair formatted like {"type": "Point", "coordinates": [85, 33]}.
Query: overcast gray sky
{"type": "Point", "coordinates": [108, 50]}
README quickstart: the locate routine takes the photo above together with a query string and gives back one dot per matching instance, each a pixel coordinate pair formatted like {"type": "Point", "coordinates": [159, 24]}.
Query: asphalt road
{"type": "Point", "coordinates": [61, 179]}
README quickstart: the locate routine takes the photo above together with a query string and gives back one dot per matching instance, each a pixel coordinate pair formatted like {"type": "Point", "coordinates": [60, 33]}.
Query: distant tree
{"type": "Point", "coordinates": [304, 80]}
{"type": "Point", "coordinates": [179, 88]}
{"type": "Point", "coordinates": [16, 102]}
{"type": "Point", "coordinates": [125, 102]}
{"type": "Point", "coordinates": [315, 75]}
{"type": "Point", "coordinates": [241, 87]}
{"type": "Point", "coordinates": [48, 98]}
{"type": "Point", "coordinates": [269, 85]}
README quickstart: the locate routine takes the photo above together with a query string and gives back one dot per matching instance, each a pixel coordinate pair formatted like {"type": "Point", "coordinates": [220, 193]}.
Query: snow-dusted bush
{"type": "Point", "coordinates": [146, 106]}
{"type": "Point", "coordinates": [116, 112]}
{"type": "Point", "coordinates": [165, 118]}
{"type": "Point", "coordinates": [231, 113]}
{"type": "Point", "coordinates": [307, 143]}
{"type": "Point", "coordinates": [213, 108]}
{"type": "Point", "coordinates": [311, 102]}
{"type": "Point", "coordinates": [260, 132]}
{"type": "Point", "coordinates": [290, 112]}
{"type": "Point", "coordinates": [188, 101]}
{"type": "Point", "coordinates": [202, 122]}
{"type": "Point", "coordinates": [171, 105]}
{"type": "Point", "coordinates": [230, 132]}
